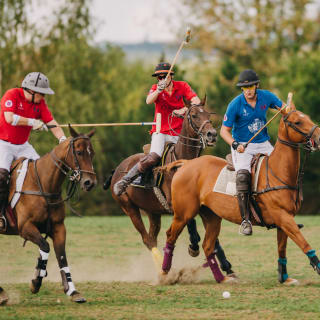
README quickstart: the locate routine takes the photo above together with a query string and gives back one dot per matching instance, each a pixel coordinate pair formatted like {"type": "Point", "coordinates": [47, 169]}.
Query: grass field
{"type": "Point", "coordinates": [115, 272]}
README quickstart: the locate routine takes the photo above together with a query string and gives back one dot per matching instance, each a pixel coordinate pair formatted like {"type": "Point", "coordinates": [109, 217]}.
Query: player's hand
{"type": "Point", "coordinates": [161, 85]}
{"type": "Point", "coordinates": [39, 125]}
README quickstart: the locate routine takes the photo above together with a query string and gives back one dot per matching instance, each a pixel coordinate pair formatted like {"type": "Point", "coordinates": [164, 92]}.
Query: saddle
{"type": "Point", "coordinates": [255, 211]}
{"type": "Point", "coordinates": [152, 179]}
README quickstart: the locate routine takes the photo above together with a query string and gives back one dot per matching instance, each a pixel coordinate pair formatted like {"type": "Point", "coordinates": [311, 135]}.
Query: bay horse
{"type": "Point", "coordinates": [278, 194]}
{"type": "Point", "coordinates": [197, 132]}
{"type": "Point", "coordinates": [41, 207]}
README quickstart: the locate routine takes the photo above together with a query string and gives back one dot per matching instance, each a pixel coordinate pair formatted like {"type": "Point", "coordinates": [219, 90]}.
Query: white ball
{"type": "Point", "coordinates": [226, 294]}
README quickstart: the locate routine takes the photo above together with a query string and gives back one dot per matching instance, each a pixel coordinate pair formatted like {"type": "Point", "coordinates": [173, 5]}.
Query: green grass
{"type": "Point", "coordinates": [114, 271]}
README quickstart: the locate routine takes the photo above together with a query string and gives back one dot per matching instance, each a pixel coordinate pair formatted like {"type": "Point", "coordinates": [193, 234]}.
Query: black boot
{"type": "Point", "coordinates": [120, 187]}
{"type": "Point", "coordinates": [4, 191]}
{"type": "Point", "coordinates": [243, 184]}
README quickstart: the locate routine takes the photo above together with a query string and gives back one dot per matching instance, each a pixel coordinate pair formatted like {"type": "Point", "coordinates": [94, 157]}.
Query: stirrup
{"type": "Point", "coordinates": [3, 223]}
{"type": "Point", "coordinates": [245, 228]}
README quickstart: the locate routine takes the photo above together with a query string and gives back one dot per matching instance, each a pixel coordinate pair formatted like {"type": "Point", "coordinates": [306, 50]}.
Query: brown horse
{"type": "Point", "coordinates": [197, 132]}
{"type": "Point", "coordinates": [41, 207]}
{"type": "Point", "coordinates": [277, 194]}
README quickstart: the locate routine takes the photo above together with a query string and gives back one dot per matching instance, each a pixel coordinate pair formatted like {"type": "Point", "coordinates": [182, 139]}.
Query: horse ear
{"type": "Point", "coordinates": [204, 100]}
{"type": "Point", "coordinates": [91, 133]}
{"type": "Point", "coordinates": [186, 102]}
{"type": "Point", "coordinates": [73, 132]}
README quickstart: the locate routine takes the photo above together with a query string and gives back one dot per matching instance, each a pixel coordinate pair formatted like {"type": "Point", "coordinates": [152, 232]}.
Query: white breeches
{"type": "Point", "coordinates": [158, 141]}
{"type": "Point", "coordinates": [243, 160]}
{"type": "Point", "coordinates": [10, 152]}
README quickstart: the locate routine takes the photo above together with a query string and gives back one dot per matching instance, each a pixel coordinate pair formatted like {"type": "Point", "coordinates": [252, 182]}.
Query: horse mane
{"type": "Point", "coordinates": [173, 166]}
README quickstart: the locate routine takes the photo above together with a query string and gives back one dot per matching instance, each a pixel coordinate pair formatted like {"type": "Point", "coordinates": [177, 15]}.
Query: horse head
{"type": "Point", "coordinates": [199, 123]}
{"type": "Point", "coordinates": [78, 155]}
{"type": "Point", "coordinates": [297, 128]}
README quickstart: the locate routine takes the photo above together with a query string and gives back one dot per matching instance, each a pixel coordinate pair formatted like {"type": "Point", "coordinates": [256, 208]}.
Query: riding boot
{"type": "Point", "coordinates": [243, 185]}
{"type": "Point", "coordinates": [4, 191]}
{"type": "Point", "coordinates": [142, 166]}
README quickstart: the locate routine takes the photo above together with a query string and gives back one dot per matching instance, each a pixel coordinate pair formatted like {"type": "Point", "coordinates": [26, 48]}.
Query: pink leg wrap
{"type": "Point", "coordinates": [212, 262]}
{"type": "Point", "coordinates": [167, 259]}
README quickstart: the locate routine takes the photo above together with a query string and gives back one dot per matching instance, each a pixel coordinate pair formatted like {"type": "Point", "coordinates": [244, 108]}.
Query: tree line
{"type": "Point", "coordinates": [97, 84]}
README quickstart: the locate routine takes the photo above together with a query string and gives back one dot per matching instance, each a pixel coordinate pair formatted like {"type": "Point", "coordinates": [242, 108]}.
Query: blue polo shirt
{"type": "Point", "coordinates": [245, 121]}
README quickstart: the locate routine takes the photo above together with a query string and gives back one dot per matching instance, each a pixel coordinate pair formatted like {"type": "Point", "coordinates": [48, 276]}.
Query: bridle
{"type": "Point", "coordinates": [197, 131]}
{"type": "Point", "coordinates": [308, 145]}
{"type": "Point", "coordinates": [73, 174]}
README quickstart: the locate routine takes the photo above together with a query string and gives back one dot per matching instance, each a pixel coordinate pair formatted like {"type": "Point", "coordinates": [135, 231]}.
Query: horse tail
{"type": "Point", "coordinates": [173, 166]}
{"type": "Point", "coordinates": [107, 183]}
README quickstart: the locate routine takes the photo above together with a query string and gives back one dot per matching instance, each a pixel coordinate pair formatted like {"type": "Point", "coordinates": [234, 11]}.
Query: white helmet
{"type": "Point", "coordinates": [37, 82]}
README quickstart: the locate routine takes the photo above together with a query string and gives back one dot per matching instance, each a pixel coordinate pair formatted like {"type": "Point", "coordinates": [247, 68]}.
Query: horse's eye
{"type": "Point", "coordinates": [297, 123]}
{"type": "Point", "coordinates": [193, 116]}
{"type": "Point", "coordinates": [79, 153]}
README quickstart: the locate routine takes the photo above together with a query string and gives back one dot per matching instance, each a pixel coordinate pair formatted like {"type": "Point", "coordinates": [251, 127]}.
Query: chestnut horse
{"type": "Point", "coordinates": [41, 207]}
{"type": "Point", "coordinates": [277, 194]}
{"type": "Point", "coordinates": [197, 132]}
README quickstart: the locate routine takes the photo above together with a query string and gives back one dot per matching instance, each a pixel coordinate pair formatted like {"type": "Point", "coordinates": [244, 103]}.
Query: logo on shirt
{"type": "Point", "coordinates": [225, 118]}
{"type": "Point", "coordinates": [178, 96]}
{"type": "Point", "coordinates": [263, 107]}
{"type": "Point", "coordinates": [245, 113]}
{"type": "Point", "coordinates": [255, 125]}
{"type": "Point", "coordinates": [8, 103]}
{"type": "Point", "coordinates": [20, 106]}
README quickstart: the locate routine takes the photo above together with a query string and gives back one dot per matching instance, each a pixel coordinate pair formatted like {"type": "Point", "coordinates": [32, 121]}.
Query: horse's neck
{"type": "Point", "coordinates": [51, 177]}
{"type": "Point", "coordinates": [285, 163]}
{"type": "Point", "coordinates": [184, 148]}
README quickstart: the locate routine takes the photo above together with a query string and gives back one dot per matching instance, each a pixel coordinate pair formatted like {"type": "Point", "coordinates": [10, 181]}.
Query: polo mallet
{"type": "Point", "coordinates": [113, 124]}
{"type": "Point", "coordinates": [289, 99]}
{"type": "Point", "coordinates": [185, 41]}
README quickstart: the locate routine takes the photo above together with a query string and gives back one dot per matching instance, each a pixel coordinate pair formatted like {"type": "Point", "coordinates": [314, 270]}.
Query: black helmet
{"type": "Point", "coordinates": [247, 78]}
{"type": "Point", "coordinates": [162, 68]}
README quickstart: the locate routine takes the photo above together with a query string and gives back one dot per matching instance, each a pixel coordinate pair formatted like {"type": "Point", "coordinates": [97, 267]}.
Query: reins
{"type": "Point", "coordinates": [307, 146]}
{"type": "Point", "coordinates": [198, 132]}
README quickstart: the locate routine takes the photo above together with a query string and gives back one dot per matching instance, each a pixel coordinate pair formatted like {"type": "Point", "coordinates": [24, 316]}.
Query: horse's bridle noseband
{"type": "Point", "coordinates": [76, 173]}
{"type": "Point", "coordinates": [307, 143]}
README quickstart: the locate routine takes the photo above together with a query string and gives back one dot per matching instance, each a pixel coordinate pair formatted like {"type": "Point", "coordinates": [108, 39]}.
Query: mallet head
{"type": "Point", "coordinates": [188, 35]}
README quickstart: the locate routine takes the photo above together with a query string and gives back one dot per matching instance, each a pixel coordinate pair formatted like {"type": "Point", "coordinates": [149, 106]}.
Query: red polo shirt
{"type": "Point", "coordinates": [166, 103]}
{"type": "Point", "coordinates": [15, 101]}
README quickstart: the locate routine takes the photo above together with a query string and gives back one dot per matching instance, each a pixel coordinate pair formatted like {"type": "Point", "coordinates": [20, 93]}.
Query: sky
{"type": "Point", "coordinates": [124, 21]}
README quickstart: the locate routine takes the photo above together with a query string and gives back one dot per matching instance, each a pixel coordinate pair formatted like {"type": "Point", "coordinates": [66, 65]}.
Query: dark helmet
{"type": "Point", "coordinates": [37, 82]}
{"type": "Point", "coordinates": [162, 68]}
{"type": "Point", "coordinates": [247, 78]}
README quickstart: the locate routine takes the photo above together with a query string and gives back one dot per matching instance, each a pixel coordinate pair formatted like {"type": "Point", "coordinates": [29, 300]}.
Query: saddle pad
{"type": "Point", "coordinates": [19, 182]}
{"type": "Point", "coordinates": [226, 182]}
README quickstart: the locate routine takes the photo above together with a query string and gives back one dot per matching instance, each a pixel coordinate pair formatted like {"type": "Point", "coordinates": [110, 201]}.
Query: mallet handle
{"type": "Point", "coordinates": [104, 124]}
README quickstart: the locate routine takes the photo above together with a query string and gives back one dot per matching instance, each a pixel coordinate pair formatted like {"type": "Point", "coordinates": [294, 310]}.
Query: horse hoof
{"type": "Point", "coordinates": [228, 279]}
{"type": "Point", "coordinates": [77, 297]}
{"type": "Point", "coordinates": [291, 282]}
{"type": "Point", "coordinates": [193, 253]}
{"type": "Point", "coordinates": [35, 285]}
{"type": "Point", "coordinates": [3, 297]}
{"type": "Point", "coordinates": [232, 275]}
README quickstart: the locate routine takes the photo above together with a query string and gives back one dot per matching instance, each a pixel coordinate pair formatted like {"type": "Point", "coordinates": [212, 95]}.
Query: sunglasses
{"type": "Point", "coordinates": [161, 77]}
{"type": "Point", "coordinates": [248, 88]}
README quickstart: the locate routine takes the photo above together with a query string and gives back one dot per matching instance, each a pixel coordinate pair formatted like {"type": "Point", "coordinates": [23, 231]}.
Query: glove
{"type": "Point", "coordinates": [63, 138]}
{"type": "Point", "coordinates": [39, 125]}
{"type": "Point", "coordinates": [161, 85]}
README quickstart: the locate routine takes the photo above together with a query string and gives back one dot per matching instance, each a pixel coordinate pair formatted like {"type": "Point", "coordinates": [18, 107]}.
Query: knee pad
{"type": "Point", "coordinates": [4, 181]}
{"type": "Point", "coordinates": [243, 180]}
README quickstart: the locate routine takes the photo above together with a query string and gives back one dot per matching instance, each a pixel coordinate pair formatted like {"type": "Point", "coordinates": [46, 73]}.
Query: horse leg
{"type": "Point", "coordinates": [134, 213]}
{"type": "Point", "coordinates": [194, 237]}
{"type": "Point", "coordinates": [31, 233]}
{"type": "Point", "coordinates": [3, 297]}
{"type": "Point", "coordinates": [282, 261]}
{"type": "Point", "coordinates": [212, 225]}
{"type": "Point", "coordinates": [154, 229]}
{"type": "Point", "coordinates": [289, 226]}
{"type": "Point", "coordinates": [59, 241]}
{"type": "Point", "coordinates": [224, 263]}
